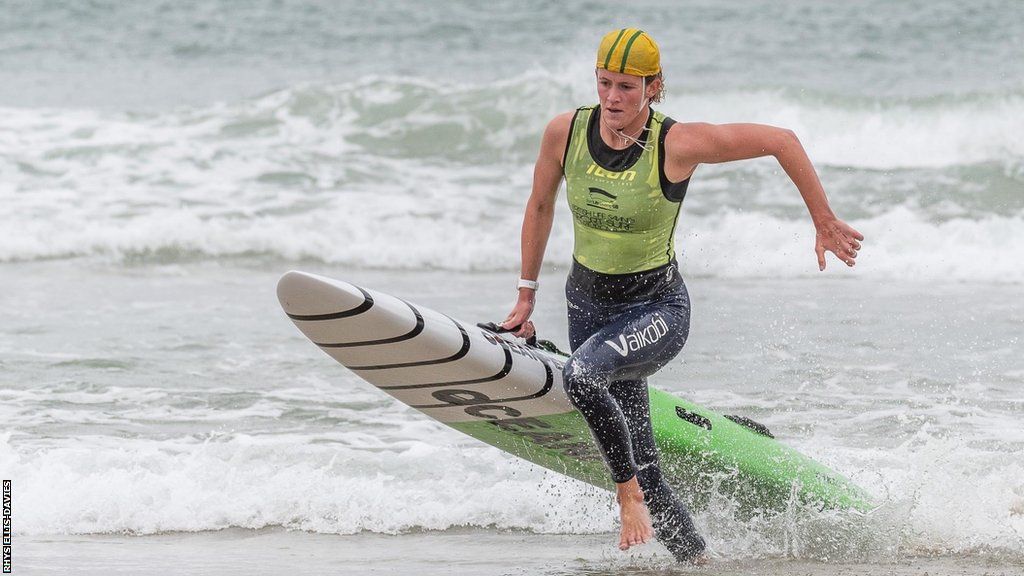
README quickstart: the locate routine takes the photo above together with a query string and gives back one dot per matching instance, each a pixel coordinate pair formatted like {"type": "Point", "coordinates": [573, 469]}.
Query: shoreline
{"type": "Point", "coordinates": [424, 553]}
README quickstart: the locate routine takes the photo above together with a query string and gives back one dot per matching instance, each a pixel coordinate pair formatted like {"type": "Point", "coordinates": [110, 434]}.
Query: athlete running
{"type": "Point", "coordinates": [626, 169]}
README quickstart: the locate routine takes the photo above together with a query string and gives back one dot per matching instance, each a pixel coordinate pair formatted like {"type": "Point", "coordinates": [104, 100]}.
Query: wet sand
{"type": "Point", "coordinates": [460, 551]}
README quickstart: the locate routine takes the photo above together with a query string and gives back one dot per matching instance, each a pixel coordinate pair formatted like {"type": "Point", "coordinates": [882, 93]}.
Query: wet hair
{"type": "Point", "coordinates": [660, 95]}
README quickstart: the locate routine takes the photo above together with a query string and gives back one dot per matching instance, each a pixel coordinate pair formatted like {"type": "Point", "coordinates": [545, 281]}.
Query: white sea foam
{"type": "Point", "coordinates": [377, 473]}
{"type": "Point", "coordinates": [900, 244]}
{"type": "Point", "coordinates": [882, 135]}
{"type": "Point", "coordinates": [146, 487]}
{"type": "Point", "coordinates": [254, 481]}
{"type": "Point", "coordinates": [411, 174]}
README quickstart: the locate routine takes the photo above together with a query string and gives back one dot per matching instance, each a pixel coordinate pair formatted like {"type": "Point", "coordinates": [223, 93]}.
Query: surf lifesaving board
{"type": "Point", "coordinates": [499, 390]}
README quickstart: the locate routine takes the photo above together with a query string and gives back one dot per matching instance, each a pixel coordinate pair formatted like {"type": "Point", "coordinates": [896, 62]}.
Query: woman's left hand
{"type": "Point", "coordinates": [839, 238]}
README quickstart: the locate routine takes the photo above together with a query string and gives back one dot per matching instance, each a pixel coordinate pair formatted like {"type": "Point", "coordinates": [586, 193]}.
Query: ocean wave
{"type": "Point", "coordinates": [410, 173]}
{"type": "Point", "coordinates": [238, 480]}
{"type": "Point", "coordinates": [877, 134]}
{"type": "Point", "coordinates": [500, 122]}
{"type": "Point", "coordinates": [900, 244]}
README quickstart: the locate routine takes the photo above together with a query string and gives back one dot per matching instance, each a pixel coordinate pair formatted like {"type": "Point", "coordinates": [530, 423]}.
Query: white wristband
{"type": "Point", "coordinates": [531, 284]}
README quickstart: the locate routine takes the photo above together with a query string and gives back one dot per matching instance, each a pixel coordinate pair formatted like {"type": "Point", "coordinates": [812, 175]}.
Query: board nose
{"type": "Point", "coordinates": [302, 294]}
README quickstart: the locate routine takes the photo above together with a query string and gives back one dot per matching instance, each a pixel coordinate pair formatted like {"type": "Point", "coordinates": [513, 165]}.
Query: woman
{"type": "Point", "coordinates": [627, 168]}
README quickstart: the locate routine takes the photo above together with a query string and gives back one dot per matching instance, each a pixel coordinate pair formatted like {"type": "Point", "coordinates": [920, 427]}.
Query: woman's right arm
{"type": "Point", "coordinates": [540, 212]}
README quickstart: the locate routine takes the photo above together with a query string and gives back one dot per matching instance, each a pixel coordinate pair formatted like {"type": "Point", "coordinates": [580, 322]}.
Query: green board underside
{"type": "Point", "coordinates": [701, 454]}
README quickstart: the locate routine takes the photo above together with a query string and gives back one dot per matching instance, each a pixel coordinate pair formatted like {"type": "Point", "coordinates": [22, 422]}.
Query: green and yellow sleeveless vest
{"type": "Point", "coordinates": [622, 221]}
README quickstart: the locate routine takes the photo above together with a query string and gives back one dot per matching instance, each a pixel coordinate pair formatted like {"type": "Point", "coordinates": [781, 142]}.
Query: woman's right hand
{"type": "Point", "coordinates": [520, 314]}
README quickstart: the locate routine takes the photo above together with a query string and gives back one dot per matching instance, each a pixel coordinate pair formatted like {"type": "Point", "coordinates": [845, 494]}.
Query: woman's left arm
{"type": "Point", "coordinates": [690, 144]}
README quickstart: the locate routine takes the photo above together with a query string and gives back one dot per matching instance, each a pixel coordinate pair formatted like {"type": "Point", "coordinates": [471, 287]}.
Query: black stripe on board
{"type": "Point", "coordinates": [407, 336]}
{"type": "Point", "coordinates": [366, 305]}
{"type": "Point", "coordinates": [500, 374]}
{"type": "Point", "coordinates": [462, 352]}
{"type": "Point", "coordinates": [548, 383]}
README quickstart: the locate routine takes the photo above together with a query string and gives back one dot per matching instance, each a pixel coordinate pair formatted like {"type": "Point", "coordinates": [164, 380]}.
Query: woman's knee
{"type": "Point", "coordinates": [582, 384]}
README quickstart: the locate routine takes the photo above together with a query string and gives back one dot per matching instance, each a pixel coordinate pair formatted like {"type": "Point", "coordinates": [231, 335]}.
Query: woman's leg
{"type": "Point", "coordinates": [613, 352]}
{"type": "Point", "coordinates": [632, 344]}
{"type": "Point", "coordinates": [670, 518]}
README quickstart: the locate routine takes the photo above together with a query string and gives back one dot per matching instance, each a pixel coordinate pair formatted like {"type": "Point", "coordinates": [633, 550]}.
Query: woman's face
{"type": "Point", "coordinates": [622, 97]}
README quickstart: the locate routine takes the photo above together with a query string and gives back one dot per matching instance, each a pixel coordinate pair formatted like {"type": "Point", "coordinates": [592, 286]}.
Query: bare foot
{"type": "Point", "coordinates": [636, 520]}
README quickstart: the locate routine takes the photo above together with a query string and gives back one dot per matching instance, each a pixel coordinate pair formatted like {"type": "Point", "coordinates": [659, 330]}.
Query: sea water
{"type": "Point", "coordinates": [162, 163]}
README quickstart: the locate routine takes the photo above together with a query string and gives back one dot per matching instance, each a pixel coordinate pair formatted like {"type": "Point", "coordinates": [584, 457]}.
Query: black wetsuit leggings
{"type": "Point", "coordinates": [617, 342]}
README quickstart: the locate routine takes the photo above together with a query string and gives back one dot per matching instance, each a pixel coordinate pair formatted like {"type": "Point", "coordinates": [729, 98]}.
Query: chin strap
{"type": "Point", "coordinates": [641, 143]}
{"type": "Point", "coordinates": [626, 137]}
{"type": "Point", "coordinates": [643, 102]}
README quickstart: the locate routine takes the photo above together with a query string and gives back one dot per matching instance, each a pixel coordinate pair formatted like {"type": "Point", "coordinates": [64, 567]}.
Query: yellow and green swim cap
{"type": "Point", "coordinates": [629, 51]}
